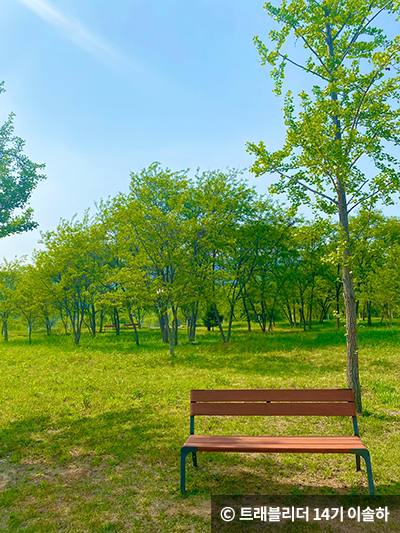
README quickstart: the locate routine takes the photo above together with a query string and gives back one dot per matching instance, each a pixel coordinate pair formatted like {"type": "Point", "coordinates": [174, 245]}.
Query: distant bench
{"type": "Point", "coordinates": [111, 326]}
{"type": "Point", "coordinates": [280, 402]}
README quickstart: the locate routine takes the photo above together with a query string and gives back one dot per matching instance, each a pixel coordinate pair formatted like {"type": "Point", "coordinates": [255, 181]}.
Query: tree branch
{"type": "Point", "coordinates": [344, 24]}
{"type": "Point", "coordinates": [315, 53]}
{"type": "Point", "coordinates": [292, 178]}
{"type": "Point", "coordinates": [358, 33]}
{"type": "Point", "coordinates": [377, 191]}
{"type": "Point", "coordinates": [285, 58]}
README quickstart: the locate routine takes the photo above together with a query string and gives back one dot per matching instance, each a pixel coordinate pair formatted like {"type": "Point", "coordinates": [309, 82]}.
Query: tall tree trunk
{"type": "Point", "coordinates": [353, 378]}
{"type": "Point", "coordinates": [29, 332]}
{"type": "Point", "coordinates": [5, 330]}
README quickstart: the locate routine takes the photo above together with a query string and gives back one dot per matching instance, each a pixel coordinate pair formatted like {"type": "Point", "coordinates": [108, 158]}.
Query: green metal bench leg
{"type": "Point", "coordinates": [367, 459]}
{"type": "Point", "coordinates": [184, 453]}
{"type": "Point", "coordinates": [194, 457]}
{"type": "Point", "coordinates": [358, 463]}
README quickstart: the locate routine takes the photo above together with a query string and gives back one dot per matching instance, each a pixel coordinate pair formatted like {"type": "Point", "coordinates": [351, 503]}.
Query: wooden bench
{"type": "Point", "coordinates": [280, 402]}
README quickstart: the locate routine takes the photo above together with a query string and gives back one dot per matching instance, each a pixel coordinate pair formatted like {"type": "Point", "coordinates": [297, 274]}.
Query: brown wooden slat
{"type": "Point", "coordinates": [273, 409]}
{"type": "Point", "coordinates": [288, 395]}
{"type": "Point", "coordinates": [275, 444]}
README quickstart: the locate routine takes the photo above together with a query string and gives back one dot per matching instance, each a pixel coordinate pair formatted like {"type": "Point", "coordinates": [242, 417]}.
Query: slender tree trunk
{"type": "Point", "coordinates": [231, 313]}
{"type": "Point", "coordinates": [192, 320]}
{"type": "Point", "coordinates": [128, 305]}
{"type": "Point", "coordinates": [5, 330]}
{"type": "Point", "coordinates": [29, 332]}
{"type": "Point", "coordinates": [247, 313]}
{"type": "Point", "coordinates": [175, 324]}
{"type": "Point", "coordinates": [218, 319]}
{"type": "Point", "coordinates": [93, 320]}
{"type": "Point", "coordinates": [289, 313]}
{"type": "Point", "coordinates": [101, 320]}
{"type": "Point", "coordinates": [117, 323]}
{"type": "Point", "coordinates": [338, 306]}
{"type": "Point", "coordinates": [47, 324]}
{"type": "Point", "coordinates": [170, 335]}
{"type": "Point", "coordinates": [310, 308]}
{"type": "Point", "coordinates": [271, 321]}
{"type": "Point", "coordinates": [369, 313]}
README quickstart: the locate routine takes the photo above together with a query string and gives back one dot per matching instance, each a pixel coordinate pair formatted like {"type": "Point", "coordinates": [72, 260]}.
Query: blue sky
{"type": "Point", "coordinates": [103, 88]}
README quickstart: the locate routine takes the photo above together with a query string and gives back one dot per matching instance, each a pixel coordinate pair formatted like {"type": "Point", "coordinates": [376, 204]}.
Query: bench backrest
{"type": "Point", "coordinates": [273, 402]}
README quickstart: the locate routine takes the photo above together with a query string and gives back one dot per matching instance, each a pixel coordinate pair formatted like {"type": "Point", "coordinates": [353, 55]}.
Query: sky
{"type": "Point", "coordinates": [101, 89]}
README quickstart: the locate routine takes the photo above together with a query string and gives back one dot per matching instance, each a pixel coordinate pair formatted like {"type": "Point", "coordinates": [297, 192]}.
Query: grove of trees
{"type": "Point", "coordinates": [205, 250]}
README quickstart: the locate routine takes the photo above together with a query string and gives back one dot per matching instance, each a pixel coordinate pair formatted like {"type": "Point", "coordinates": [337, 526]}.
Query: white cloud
{"type": "Point", "coordinates": [79, 34]}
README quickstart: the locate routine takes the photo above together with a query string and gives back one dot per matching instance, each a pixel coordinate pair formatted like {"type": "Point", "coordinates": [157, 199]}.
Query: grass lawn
{"type": "Point", "coordinates": [90, 436]}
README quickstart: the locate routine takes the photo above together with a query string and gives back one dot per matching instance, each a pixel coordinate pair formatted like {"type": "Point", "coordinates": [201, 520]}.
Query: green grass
{"type": "Point", "coordinates": [90, 436]}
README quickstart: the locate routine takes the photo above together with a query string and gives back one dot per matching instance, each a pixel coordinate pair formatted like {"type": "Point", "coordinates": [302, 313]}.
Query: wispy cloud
{"type": "Point", "coordinates": [79, 34]}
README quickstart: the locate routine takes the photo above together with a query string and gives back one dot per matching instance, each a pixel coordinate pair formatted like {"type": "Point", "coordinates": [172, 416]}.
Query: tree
{"type": "Point", "coordinates": [9, 274]}
{"type": "Point", "coordinates": [351, 115]}
{"type": "Point", "coordinates": [72, 261]}
{"type": "Point", "coordinates": [18, 178]}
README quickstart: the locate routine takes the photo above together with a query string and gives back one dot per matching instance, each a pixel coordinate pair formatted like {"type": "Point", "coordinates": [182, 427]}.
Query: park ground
{"type": "Point", "coordinates": [90, 436]}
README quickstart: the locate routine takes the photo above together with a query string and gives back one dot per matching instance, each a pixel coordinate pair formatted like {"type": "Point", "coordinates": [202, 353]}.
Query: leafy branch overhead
{"type": "Point", "coordinates": [350, 114]}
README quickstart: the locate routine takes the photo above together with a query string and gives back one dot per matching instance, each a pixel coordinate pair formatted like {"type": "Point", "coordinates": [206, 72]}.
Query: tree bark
{"type": "Point", "coordinates": [353, 378]}
{"type": "Point", "coordinates": [163, 320]}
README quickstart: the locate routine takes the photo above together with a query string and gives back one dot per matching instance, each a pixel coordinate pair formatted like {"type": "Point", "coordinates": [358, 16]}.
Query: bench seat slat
{"type": "Point", "coordinates": [282, 395]}
{"type": "Point", "coordinates": [273, 409]}
{"type": "Point", "coordinates": [222, 443]}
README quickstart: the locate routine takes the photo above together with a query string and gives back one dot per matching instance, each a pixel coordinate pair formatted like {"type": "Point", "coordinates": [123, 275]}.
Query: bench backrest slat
{"type": "Point", "coordinates": [273, 402]}
{"type": "Point", "coordinates": [282, 395]}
